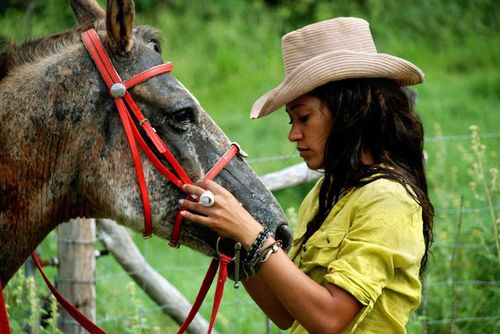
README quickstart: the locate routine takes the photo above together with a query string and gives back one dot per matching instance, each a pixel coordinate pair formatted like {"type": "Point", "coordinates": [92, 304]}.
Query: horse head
{"type": "Point", "coordinates": [63, 148]}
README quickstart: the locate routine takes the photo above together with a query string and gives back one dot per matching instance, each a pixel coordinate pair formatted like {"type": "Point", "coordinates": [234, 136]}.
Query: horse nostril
{"type": "Point", "coordinates": [284, 233]}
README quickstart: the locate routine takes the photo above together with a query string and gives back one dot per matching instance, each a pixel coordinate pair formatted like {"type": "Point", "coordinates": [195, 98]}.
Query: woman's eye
{"type": "Point", "coordinates": [301, 119]}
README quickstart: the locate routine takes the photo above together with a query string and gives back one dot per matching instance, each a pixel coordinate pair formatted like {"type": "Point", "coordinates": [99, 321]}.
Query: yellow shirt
{"type": "Point", "coordinates": [370, 245]}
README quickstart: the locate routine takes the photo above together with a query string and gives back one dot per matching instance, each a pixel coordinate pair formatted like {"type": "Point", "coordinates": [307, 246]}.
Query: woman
{"type": "Point", "coordinates": [365, 228]}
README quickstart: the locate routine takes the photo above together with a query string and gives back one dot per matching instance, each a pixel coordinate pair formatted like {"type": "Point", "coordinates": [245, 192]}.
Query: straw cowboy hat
{"type": "Point", "coordinates": [331, 50]}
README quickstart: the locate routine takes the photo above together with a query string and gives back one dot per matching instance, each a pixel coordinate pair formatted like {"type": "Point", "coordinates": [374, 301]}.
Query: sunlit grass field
{"type": "Point", "coordinates": [228, 54]}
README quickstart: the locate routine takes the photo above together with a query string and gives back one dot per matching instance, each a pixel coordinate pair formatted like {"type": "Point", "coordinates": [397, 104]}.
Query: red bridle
{"type": "Point", "coordinates": [119, 91]}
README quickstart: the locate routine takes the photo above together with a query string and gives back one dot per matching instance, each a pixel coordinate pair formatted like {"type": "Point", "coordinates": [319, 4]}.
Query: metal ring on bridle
{"type": "Point", "coordinates": [219, 253]}
{"type": "Point", "coordinates": [207, 199]}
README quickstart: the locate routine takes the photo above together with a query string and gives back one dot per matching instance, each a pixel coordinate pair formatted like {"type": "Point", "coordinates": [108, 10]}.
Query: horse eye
{"type": "Point", "coordinates": [155, 45]}
{"type": "Point", "coordinates": [183, 115]}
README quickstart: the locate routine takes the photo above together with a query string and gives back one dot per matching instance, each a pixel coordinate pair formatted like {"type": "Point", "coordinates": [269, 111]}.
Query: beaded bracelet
{"type": "Point", "coordinates": [263, 235]}
{"type": "Point", "coordinates": [250, 262]}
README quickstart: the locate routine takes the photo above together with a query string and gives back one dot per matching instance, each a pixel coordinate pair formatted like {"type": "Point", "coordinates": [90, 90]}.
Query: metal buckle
{"type": "Point", "coordinates": [235, 258]}
{"type": "Point", "coordinates": [242, 153]}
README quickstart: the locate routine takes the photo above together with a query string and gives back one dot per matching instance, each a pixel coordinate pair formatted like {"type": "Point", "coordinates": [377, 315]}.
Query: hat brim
{"type": "Point", "coordinates": [334, 66]}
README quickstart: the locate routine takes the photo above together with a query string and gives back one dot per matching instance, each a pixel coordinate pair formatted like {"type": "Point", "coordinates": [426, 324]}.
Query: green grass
{"type": "Point", "coordinates": [228, 54]}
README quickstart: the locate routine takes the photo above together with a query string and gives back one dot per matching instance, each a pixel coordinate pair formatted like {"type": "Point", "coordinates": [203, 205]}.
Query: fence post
{"type": "Point", "coordinates": [76, 274]}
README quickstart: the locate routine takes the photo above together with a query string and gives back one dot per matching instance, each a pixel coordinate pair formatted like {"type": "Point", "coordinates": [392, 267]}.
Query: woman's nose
{"type": "Point", "coordinates": [294, 134]}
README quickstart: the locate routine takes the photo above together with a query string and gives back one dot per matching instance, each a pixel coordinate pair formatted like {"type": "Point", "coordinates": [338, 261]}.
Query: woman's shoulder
{"type": "Point", "coordinates": [383, 185]}
{"type": "Point", "coordinates": [386, 190]}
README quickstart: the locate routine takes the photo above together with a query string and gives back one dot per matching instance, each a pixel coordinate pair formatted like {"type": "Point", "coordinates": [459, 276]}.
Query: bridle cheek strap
{"type": "Point", "coordinates": [118, 91]}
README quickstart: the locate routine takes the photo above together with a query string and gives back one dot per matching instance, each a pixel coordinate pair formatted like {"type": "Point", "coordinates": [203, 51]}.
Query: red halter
{"type": "Point", "coordinates": [119, 92]}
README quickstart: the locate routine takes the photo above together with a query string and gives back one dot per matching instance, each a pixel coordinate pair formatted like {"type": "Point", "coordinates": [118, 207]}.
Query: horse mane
{"type": "Point", "coordinates": [31, 51]}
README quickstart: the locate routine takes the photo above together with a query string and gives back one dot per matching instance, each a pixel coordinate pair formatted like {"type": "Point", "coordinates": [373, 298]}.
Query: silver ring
{"type": "Point", "coordinates": [207, 199]}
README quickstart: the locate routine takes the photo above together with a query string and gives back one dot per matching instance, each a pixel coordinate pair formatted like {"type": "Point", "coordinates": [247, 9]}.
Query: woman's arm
{"type": "Point", "coordinates": [260, 292]}
{"type": "Point", "coordinates": [338, 309]}
{"type": "Point", "coordinates": [317, 308]}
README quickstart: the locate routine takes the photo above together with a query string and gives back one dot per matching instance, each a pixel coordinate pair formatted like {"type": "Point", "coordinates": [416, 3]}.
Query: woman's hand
{"type": "Point", "coordinates": [226, 216]}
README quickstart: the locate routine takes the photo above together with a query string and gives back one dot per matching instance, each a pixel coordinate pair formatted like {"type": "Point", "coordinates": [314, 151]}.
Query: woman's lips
{"type": "Point", "coordinates": [303, 151]}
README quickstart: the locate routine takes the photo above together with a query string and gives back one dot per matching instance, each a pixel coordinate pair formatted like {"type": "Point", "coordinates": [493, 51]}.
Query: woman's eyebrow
{"type": "Point", "coordinates": [293, 107]}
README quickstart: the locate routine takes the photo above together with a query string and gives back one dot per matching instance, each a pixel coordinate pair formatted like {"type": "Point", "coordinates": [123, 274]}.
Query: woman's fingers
{"type": "Point", "coordinates": [193, 190]}
{"type": "Point", "coordinates": [196, 218]}
{"type": "Point", "coordinates": [213, 186]}
{"type": "Point", "coordinates": [194, 206]}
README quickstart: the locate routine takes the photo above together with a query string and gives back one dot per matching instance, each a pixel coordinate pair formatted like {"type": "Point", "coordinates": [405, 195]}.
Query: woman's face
{"type": "Point", "coordinates": [311, 125]}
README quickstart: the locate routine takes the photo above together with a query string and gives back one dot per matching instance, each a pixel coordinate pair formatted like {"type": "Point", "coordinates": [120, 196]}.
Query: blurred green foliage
{"type": "Point", "coordinates": [429, 20]}
{"type": "Point", "coordinates": [424, 18]}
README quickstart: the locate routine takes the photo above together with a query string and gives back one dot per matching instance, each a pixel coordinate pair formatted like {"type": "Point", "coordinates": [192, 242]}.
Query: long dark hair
{"type": "Point", "coordinates": [375, 116]}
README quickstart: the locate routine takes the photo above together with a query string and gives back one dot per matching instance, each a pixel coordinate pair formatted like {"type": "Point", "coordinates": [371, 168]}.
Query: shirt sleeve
{"type": "Point", "coordinates": [385, 234]}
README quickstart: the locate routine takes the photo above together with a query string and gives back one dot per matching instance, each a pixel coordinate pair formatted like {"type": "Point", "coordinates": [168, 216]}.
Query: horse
{"type": "Point", "coordinates": [63, 151]}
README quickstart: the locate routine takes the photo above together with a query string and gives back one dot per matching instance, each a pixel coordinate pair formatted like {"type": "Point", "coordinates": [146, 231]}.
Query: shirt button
{"type": "Point", "coordinates": [304, 248]}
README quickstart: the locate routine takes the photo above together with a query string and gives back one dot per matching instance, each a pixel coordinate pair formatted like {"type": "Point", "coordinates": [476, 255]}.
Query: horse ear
{"type": "Point", "coordinates": [86, 11]}
{"type": "Point", "coordinates": [120, 18]}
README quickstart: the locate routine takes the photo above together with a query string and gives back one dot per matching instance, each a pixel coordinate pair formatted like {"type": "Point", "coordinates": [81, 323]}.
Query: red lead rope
{"type": "Point", "coordinates": [223, 261]}
{"type": "Point", "coordinates": [70, 308]}
{"type": "Point", "coordinates": [4, 321]}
